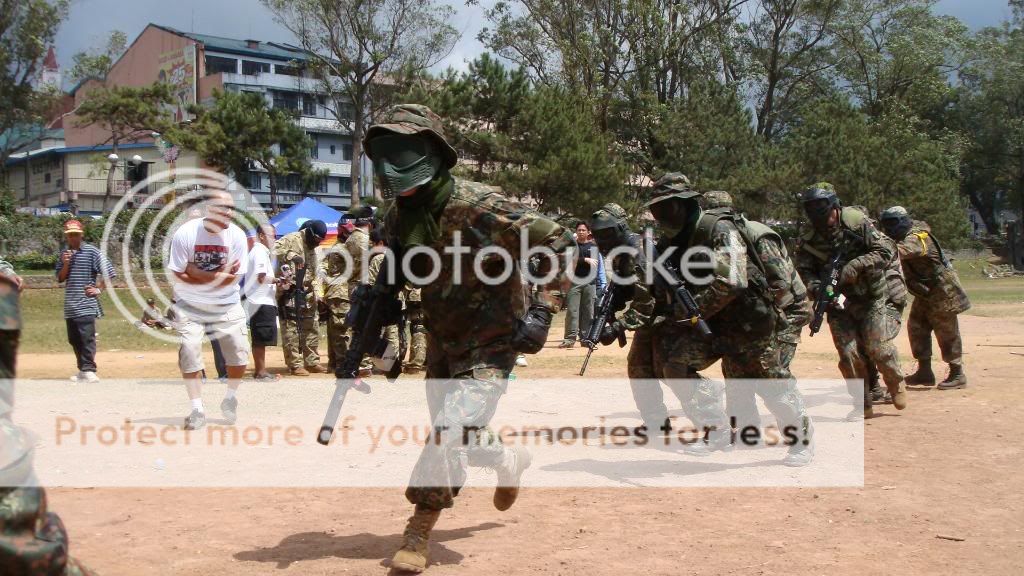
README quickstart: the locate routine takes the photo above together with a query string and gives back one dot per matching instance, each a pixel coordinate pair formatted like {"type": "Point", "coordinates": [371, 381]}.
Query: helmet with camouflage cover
{"type": "Point", "coordinates": [896, 222]}
{"type": "Point", "coordinates": [716, 199]}
{"type": "Point", "coordinates": [819, 199]}
{"type": "Point", "coordinates": [671, 185]}
{"type": "Point", "coordinates": [401, 162]}
{"type": "Point", "coordinates": [609, 227]}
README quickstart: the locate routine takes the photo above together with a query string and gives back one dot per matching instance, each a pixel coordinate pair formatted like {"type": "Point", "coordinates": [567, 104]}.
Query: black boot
{"type": "Point", "coordinates": [955, 379]}
{"type": "Point", "coordinates": [924, 375]}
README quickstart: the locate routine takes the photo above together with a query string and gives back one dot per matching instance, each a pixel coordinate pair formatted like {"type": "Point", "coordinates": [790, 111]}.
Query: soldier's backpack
{"type": "Point", "coordinates": [754, 314]}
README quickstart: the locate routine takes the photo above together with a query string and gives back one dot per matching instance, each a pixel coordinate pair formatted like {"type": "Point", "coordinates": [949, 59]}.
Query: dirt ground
{"type": "Point", "coordinates": [943, 494]}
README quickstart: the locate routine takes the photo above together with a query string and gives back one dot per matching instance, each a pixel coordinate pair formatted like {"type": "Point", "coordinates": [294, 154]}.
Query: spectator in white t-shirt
{"type": "Point", "coordinates": [208, 257]}
{"type": "Point", "coordinates": [261, 301]}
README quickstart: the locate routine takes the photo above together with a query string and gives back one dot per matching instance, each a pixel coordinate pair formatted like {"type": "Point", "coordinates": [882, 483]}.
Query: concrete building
{"type": "Point", "coordinates": [73, 171]}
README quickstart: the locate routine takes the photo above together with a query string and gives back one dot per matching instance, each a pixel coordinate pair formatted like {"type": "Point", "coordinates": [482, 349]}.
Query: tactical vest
{"type": "Point", "coordinates": [855, 231]}
{"type": "Point", "coordinates": [753, 315]}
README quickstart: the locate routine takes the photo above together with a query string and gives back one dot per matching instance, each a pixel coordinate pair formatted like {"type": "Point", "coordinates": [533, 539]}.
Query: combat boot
{"type": "Point", "coordinates": [924, 375]}
{"type": "Point", "coordinates": [414, 555]}
{"type": "Point", "coordinates": [899, 395]}
{"type": "Point", "coordinates": [517, 460]}
{"type": "Point", "coordinates": [955, 379]}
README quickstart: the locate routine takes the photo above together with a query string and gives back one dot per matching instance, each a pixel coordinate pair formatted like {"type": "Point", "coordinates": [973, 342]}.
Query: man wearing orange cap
{"type": "Point", "coordinates": [79, 267]}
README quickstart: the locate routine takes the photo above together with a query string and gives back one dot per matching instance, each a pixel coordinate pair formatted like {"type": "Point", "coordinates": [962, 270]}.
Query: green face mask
{"type": "Point", "coordinates": [403, 162]}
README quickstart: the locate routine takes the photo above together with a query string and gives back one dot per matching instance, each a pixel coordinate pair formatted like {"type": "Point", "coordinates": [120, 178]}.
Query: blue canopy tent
{"type": "Point", "coordinates": [308, 209]}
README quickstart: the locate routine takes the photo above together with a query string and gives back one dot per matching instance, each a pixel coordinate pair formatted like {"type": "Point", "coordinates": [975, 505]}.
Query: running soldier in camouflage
{"type": "Point", "coordinates": [32, 539]}
{"type": "Point", "coordinates": [938, 298]}
{"type": "Point", "coordinates": [866, 323]}
{"type": "Point", "coordinates": [636, 304]}
{"type": "Point", "coordinates": [475, 328]}
{"type": "Point", "coordinates": [679, 352]}
{"type": "Point", "coordinates": [302, 357]}
{"type": "Point", "coordinates": [767, 359]}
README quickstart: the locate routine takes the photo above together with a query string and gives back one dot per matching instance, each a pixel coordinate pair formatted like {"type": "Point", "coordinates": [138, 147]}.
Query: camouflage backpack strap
{"type": "Point", "coordinates": [705, 227]}
{"type": "Point", "coordinates": [923, 236]}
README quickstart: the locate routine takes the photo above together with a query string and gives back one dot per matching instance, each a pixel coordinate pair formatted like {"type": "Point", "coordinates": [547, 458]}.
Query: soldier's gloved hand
{"type": "Point", "coordinates": [848, 276]}
{"type": "Point", "coordinates": [533, 329]}
{"type": "Point", "coordinates": [611, 333]}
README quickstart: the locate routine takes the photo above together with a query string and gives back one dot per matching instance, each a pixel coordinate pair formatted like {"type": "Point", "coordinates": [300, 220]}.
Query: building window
{"type": "Point", "coordinates": [308, 106]}
{"type": "Point", "coordinates": [250, 68]}
{"type": "Point", "coordinates": [256, 180]}
{"type": "Point", "coordinates": [287, 70]}
{"type": "Point", "coordinates": [314, 151]}
{"type": "Point", "coordinates": [346, 152]}
{"type": "Point", "coordinates": [215, 64]}
{"type": "Point", "coordinates": [46, 178]}
{"type": "Point", "coordinates": [346, 186]}
{"type": "Point", "coordinates": [346, 112]}
{"type": "Point", "coordinates": [333, 150]}
{"type": "Point", "coordinates": [286, 100]}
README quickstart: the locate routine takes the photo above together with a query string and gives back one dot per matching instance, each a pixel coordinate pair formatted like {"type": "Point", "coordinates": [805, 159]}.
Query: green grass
{"type": "Point", "coordinates": [984, 291]}
{"type": "Point", "coordinates": [45, 332]}
{"type": "Point", "coordinates": [43, 313]}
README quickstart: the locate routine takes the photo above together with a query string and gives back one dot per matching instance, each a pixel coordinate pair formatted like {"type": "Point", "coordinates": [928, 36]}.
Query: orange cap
{"type": "Point", "coordinates": [73, 227]}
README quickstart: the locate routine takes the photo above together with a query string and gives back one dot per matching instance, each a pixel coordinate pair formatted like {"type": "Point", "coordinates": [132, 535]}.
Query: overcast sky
{"type": "Point", "coordinates": [91, 21]}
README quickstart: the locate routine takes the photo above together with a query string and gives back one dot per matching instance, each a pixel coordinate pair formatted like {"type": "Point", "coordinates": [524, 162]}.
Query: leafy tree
{"type": "Point", "coordinates": [364, 52]}
{"type": "Point", "coordinates": [570, 165]}
{"type": "Point", "coordinates": [239, 131]}
{"type": "Point", "coordinates": [96, 63]}
{"type": "Point", "coordinates": [127, 113]}
{"type": "Point", "coordinates": [990, 111]}
{"type": "Point", "coordinates": [27, 28]}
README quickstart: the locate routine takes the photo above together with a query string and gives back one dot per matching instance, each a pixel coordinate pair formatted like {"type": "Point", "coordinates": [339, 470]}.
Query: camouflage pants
{"type": "Point", "coordinates": [764, 360]}
{"type": "Point", "coordinates": [924, 320]}
{"type": "Point", "coordinates": [867, 335]}
{"type": "Point", "coordinates": [461, 406]}
{"type": "Point", "coordinates": [297, 354]}
{"type": "Point", "coordinates": [33, 541]}
{"type": "Point", "coordinates": [337, 333]}
{"type": "Point", "coordinates": [417, 336]}
{"type": "Point", "coordinates": [674, 358]}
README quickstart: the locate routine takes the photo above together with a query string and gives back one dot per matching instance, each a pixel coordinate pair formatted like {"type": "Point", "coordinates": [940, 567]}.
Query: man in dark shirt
{"type": "Point", "coordinates": [79, 267]}
{"type": "Point", "coordinates": [580, 301]}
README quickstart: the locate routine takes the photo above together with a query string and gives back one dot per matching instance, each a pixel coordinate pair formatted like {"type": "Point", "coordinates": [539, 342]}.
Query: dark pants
{"type": "Point", "coordinates": [82, 337]}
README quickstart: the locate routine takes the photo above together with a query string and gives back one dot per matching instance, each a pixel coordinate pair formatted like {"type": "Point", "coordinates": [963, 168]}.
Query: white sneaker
{"type": "Point", "coordinates": [521, 361]}
{"type": "Point", "coordinates": [89, 377]}
{"type": "Point", "coordinates": [78, 377]}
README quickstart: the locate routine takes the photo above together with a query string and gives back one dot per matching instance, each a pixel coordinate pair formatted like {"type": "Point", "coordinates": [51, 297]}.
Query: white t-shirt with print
{"type": "Point", "coordinates": [257, 294]}
{"type": "Point", "coordinates": [194, 244]}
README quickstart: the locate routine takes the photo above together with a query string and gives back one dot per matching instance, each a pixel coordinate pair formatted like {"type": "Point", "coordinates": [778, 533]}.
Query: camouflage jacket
{"type": "Point", "coordinates": [337, 276]}
{"type": "Point", "coordinates": [867, 254]}
{"type": "Point", "coordinates": [465, 318]}
{"type": "Point", "coordinates": [786, 287]}
{"type": "Point", "coordinates": [358, 245]}
{"type": "Point", "coordinates": [640, 310]}
{"type": "Point", "coordinates": [929, 275]}
{"type": "Point", "coordinates": [285, 250]}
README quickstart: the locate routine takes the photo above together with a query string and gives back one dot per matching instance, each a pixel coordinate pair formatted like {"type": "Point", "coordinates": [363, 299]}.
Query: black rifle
{"type": "Point", "coordinates": [373, 309]}
{"type": "Point", "coordinates": [681, 297]}
{"type": "Point", "coordinates": [827, 290]}
{"type": "Point", "coordinates": [300, 295]}
{"type": "Point", "coordinates": [604, 315]}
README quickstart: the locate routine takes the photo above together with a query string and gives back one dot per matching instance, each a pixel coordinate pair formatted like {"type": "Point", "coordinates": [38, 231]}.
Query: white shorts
{"type": "Point", "coordinates": [229, 326]}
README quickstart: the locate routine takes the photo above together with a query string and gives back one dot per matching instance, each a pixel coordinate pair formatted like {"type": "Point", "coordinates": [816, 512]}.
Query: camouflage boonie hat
{"type": "Point", "coordinates": [413, 119]}
{"type": "Point", "coordinates": [671, 185]}
{"type": "Point", "coordinates": [608, 216]}
{"type": "Point", "coordinates": [716, 199]}
{"type": "Point", "coordinates": [895, 212]}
